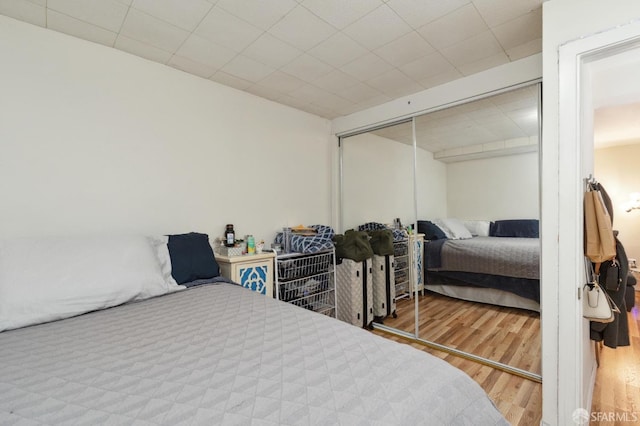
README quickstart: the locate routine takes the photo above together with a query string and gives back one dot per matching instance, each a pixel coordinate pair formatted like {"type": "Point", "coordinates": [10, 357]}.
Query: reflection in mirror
{"type": "Point", "coordinates": [476, 171]}
{"type": "Point", "coordinates": [483, 281]}
{"type": "Point", "coordinates": [378, 186]}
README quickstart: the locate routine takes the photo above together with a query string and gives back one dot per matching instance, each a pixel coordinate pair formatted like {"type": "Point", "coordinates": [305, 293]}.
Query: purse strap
{"type": "Point", "coordinates": [592, 281]}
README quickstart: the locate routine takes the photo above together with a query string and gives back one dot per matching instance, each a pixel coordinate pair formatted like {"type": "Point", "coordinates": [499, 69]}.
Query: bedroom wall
{"type": "Point", "coordinates": [378, 181]}
{"type": "Point", "coordinates": [617, 169]}
{"type": "Point", "coordinates": [94, 140]}
{"type": "Point", "coordinates": [494, 188]}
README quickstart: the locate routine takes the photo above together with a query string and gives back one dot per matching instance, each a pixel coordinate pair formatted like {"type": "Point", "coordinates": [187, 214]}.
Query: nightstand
{"type": "Point", "coordinates": [252, 271]}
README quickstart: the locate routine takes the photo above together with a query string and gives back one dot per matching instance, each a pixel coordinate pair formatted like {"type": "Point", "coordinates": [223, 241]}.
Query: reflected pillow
{"type": "Point", "coordinates": [454, 229]}
{"type": "Point", "coordinates": [521, 228]}
{"type": "Point", "coordinates": [478, 228]}
{"type": "Point", "coordinates": [430, 230]}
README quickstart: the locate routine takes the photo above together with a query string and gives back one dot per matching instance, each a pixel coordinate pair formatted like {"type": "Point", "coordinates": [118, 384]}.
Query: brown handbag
{"type": "Point", "coordinates": [600, 243]}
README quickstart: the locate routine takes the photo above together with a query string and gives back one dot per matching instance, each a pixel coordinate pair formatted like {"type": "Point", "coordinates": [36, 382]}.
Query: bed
{"type": "Point", "coordinates": [213, 353]}
{"type": "Point", "coordinates": [500, 268]}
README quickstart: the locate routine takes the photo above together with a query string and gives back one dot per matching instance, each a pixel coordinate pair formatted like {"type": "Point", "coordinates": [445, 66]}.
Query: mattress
{"type": "Point", "coordinates": [510, 257]}
{"type": "Point", "coordinates": [221, 354]}
{"type": "Point", "coordinates": [500, 263]}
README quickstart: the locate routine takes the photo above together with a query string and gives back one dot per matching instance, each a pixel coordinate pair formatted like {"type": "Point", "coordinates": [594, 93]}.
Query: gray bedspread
{"type": "Point", "coordinates": [510, 257]}
{"type": "Point", "coordinates": [220, 354]}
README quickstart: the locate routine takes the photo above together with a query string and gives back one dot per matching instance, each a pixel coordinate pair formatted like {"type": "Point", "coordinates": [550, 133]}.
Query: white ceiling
{"type": "Point", "coordinates": [327, 57]}
{"type": "Point", "coordinates": [508, 116]}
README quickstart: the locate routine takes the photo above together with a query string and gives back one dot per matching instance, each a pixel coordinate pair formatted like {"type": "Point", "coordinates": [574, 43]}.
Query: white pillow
{"type": "Point", "coordinates": [454, 229]}
{"type": "Point", "coordinates": [47, 279]}
{"type": "Point", "coordinates": [478, 228]}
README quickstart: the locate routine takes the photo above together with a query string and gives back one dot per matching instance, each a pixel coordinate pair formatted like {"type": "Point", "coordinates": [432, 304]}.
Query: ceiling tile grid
{"type": "Point", "coordinates": [327, 57]}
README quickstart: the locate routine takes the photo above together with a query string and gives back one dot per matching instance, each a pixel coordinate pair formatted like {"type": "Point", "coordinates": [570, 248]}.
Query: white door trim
{"type": "Point", "coordinates": [575, 162]}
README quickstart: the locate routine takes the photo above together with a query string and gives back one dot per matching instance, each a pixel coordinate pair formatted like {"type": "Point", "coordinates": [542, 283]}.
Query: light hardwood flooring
{"type": "Point", "coordinates": [507, 335]}
{"type": "Point", "coordinates": [617, 388]}
{"type": "Point", "coordinates": [519, 400]}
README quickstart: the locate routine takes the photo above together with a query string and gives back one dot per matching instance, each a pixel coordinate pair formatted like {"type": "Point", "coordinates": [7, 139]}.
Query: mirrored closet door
{"type": "Point", "coordinates": [377, 186]}
{"type": "Point", "coordinates": [476, 201]}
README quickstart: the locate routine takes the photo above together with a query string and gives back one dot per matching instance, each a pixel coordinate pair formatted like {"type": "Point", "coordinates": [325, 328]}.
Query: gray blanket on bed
{"type": "Point", "coordinates": [221, 354]}
{"type": "Point", "coordinates": [510, 257]}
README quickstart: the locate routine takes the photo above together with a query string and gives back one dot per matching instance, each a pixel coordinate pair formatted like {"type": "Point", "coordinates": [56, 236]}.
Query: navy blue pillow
{"type": "Point", "coordinates": [192, 257]}
{"type": "Point", "coordinates": [430, 230]}
{"type": "Point", "coordinates": [522, 228]}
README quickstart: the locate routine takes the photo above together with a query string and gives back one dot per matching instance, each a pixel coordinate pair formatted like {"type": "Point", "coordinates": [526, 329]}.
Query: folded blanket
{"type": "Point", "coordinates": [322, 240]}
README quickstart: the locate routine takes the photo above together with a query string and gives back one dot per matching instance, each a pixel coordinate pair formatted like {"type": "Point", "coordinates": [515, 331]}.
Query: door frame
{"type": "Point", "coordinates": [573, 365]}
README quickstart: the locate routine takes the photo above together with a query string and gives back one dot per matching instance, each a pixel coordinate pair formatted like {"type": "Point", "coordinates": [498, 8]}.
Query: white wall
{"type": "Point", "coordinates": [561, 201]}
{"type": "Point", "coordinates": [617, 169]}
{"type": "Point", "coordinates": [378, 181]}
{"type": "Point", "coordinates": [494, 188]}
{"type": "Point", "coordinates": [94, 140]}
{"type": "Point", "coordinates": [432, 186]}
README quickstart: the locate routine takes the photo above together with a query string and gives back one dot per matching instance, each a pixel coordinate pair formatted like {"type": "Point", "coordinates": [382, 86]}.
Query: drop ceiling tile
{"type": "Point", "coordinates": [147, 29]}
{"type": "Point", "coordinates": [24, 10]}
{"type": "Point", "coordinates": [302, 29]}
{"type": "Point", "coordinates": [527, 49]}
{"type": "Point", "coordinates": [308, 93]}
{"type": "Point", "coordinates": [271, 51]}
{"type": "Point", "coordinates": [293, 102]}
{"type": "Point", "coordinates": [496, 12]}
{"type": "Point", "coordinates": [191, 67]}
{"type": "Point", "coordinates": [473, 49]}
{"type": "Point", "coordinates": [484, 64]}
{"type": "Point", "coordinates": [107, 14]}
{"type": "Point", "coordinates": [394, 83]}
{"type": "Point", "coordinates": [360, 93]}
{"type": "Point", "coordinates": [183, 14]}
{"type": "Point", "coordinates": [263, 14]}
{"type": "Point", "coordinates": [330, 101]}
{"type": "Point", "coordinates": [65, 24]}
{"type": "Point", "coordinates": [203, 51]}
{"type": "Point", "coordinates": [335, 81]}
{"type": "Point", "coordinates": [39, 2]}
{"type": "Point", "coordinates": [230, 80]}
{"type": "Point", "coordinates": [125, 2]}
{"type": "Point", "coordinates": [227, 30]}
{"type": "Point", "coordinates": [341, 13]}
{"type": "Point", "coordinates": [307, 68]}
{"type": "Point", "coordinates": [264, 92]}
{"type": "Point", "coordinates": [367, 30]}
{"type": "Point", "coordinates": [247, 69]}
{"type": "Point", "coordinates": [454, 27]}
{"type": "Point", "coordinates": [405, 49]}
{"type": "Point", "coordinates": [366, 67]}
{"type": "Point", "coordinates": [419, 12]}
{"type": "Point", "coordinates": [427, 66]}
{"type": "Point", "coordinates": [337, 50]}
{"type": "Point", "coordinates": [520, 30]}
{"type": "Point", "coordinates": [142, 49]}
{"type": "Point", "coordinates": [282, 82]}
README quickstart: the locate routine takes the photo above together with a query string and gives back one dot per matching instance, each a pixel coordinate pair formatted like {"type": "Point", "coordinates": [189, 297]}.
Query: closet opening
{"type": "Point", "coordinates": [441, 165]}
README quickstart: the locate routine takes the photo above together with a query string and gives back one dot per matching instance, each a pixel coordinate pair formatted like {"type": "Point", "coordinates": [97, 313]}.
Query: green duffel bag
{"type": "Point", "coordinates": [353, 245]}
{"type": "Point", "coordinates": [381, 241]}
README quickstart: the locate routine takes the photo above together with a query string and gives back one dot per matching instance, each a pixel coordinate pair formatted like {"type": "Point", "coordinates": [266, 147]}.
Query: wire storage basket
{"type": "Point", "coordinates": [401, 268]}
{"type": "Point", "coordinates": [307, 281]}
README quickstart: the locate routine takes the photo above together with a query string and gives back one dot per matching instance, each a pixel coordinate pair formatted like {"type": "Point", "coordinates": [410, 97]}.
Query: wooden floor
{"type": "Point", "coordinates": [507, 335]}
{"type": "Point", "coordinates": [617, 389]}
{"type": "Point", "coordinates": [519, 400]}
